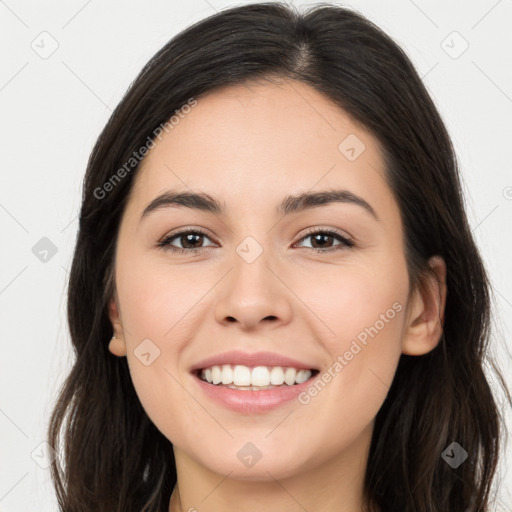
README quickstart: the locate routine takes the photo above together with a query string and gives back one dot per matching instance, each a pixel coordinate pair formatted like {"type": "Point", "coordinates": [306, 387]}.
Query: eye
{"type": "Point", "coordinates": [188, 239]}
{"type": "Point", "coordinates": [321, 238]}
{"type": "Point", "coordinates": [191, 237]}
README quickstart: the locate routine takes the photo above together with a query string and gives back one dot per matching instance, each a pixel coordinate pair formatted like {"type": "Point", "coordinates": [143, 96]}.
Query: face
{"type": "Point", "coordinates": [325, 284]}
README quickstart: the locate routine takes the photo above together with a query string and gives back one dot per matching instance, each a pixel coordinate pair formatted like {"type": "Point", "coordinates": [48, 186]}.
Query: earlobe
{"type": "Point", "coordinates": [117, 347]}
{"type": "Point", "coordinates": [117, 344]}
{"type": "Point", "coordinates": [426, 311]}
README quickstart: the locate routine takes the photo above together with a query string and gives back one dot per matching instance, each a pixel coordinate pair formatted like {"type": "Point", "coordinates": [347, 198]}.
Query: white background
{"type": "Point", "coordinates": [54, 108]}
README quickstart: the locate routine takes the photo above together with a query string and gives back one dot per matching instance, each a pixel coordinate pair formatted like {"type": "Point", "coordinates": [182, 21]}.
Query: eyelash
{"type": "Point", "coordinates": [346, 243]}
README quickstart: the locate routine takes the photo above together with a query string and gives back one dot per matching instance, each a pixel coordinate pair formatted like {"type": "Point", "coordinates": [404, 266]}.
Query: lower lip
{"type": "Point", "coordinates": [251, 402]}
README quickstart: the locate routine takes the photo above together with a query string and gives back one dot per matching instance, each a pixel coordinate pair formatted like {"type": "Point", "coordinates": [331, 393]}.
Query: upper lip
{"type": "Point", "coordinates": [236, 357]}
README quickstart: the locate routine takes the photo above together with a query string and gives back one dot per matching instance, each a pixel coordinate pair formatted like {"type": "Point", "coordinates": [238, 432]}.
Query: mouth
{"type": "Point", "coordinates": [254, 378]}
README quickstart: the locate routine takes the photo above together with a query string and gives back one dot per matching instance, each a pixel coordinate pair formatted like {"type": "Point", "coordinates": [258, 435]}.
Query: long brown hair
{"type": "Point", "coordinates": [112, 457]}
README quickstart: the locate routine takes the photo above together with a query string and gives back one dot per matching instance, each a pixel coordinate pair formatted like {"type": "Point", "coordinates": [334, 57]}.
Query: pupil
{"type": "Point", "coordinates": [316, 237]}
{"type": "Point", "coordinates": [189, 237]}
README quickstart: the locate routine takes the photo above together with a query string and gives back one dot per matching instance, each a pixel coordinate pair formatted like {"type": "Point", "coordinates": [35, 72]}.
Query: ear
{"type": "Point", "coordinates": [117, 345]}
{"type": "Point", "coordinates": [425, 320]}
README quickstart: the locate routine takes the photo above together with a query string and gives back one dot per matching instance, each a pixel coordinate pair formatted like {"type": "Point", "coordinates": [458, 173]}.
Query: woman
{"type": "Point", "coordinates": [275, 300]}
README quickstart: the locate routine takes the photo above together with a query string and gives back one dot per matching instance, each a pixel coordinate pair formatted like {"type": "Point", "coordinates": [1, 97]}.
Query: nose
{"type": "Point", "coordinates": [252, 294]}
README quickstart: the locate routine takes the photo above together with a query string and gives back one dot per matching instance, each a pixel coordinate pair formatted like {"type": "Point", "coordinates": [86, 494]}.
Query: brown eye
{"type": "Point", "coordinates": [323, 240]}
{"type": "Point", "coordinates": [190, 241]}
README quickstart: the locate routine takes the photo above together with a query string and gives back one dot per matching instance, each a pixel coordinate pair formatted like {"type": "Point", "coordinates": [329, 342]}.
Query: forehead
{"type": "Point", "coordinates": [253, 144]}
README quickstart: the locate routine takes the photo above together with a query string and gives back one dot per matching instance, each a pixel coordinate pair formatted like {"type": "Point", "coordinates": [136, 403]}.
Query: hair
{"type": "Point", "coordinates": [115, 458]}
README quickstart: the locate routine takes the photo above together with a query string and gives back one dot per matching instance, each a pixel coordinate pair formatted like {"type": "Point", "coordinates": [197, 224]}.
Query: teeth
{"type": "Point", "coordinates": [242, 376]}
{"type": "Point", "coordinates": [289, 376]}
{"type": "Point", "coordinates": [276, 376]}
{"type": "Point", "coordinates": [259, 376]}
{"type": "Point", "coordinates": [227, 374]}
{"type": "Point", "coordinates": [216, 375]}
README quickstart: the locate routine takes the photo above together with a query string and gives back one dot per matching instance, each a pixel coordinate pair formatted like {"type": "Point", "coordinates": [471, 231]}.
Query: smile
{"type": "Point", "coordinates": [254, 378]}
{"type": "Point", "coordinates": [248, 398]}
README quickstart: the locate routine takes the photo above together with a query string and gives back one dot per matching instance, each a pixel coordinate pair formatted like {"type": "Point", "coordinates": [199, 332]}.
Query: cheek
{"type": "Point", "coordinates": [349, 300]}
{"type": "Point", "coordinates": [161, 309]}
{"type": "Point", "coordinates": [157, 299]}
{"type": "Point", "coordinates": [363, 311]}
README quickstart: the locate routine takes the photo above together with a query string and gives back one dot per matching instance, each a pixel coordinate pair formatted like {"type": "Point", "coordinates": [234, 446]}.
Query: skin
{"type": "Point", "coordinates": [250, 147]}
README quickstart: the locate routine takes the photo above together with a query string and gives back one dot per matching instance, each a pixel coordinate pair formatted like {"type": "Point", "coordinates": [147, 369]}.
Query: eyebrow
{"type": "Point", "coordinates": [291, 204]}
